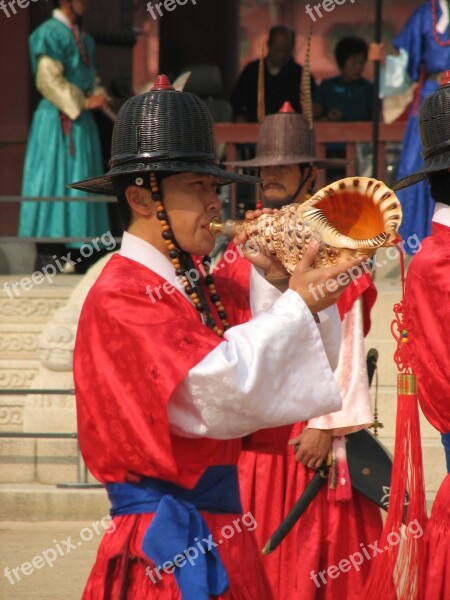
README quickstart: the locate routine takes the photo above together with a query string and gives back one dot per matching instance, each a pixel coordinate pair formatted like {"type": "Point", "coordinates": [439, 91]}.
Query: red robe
{"type": "Point", "coordinates": [329, 531]}
{"type": "Point", "coordinates": [123, 426]}
{"type": "Point", "coordinates": [427, 299]}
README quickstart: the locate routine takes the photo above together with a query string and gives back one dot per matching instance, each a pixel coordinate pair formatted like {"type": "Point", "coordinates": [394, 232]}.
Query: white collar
{"type": "Point", "coordinates": [137, 249]}
{"type": "Point", "coordinates": [59, 15]}
{"type": "Point", "coordinates": [442, 24]}
{"type": "Point", "coordinates": [442, 214]}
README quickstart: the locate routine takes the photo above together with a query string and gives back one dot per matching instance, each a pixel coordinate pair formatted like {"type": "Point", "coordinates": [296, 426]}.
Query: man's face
{"type": "Point", "coordinates": [191, 203]}
{"type": "Point", "coordinates": [79, 7]}
{"type": "Point", "coordinates": [279, 184]}
{"type": "Point", "coordinates": [280, 50]}
{"type": "Point", "coordinates": [354, 67]}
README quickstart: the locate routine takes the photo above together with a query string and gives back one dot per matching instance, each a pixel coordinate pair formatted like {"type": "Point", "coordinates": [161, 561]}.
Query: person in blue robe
{"type": "Point", "coordinates": [426, 40]}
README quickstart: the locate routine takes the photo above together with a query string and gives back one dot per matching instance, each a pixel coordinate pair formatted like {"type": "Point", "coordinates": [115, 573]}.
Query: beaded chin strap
{"type": "Point", "coordinates": [183, 264]}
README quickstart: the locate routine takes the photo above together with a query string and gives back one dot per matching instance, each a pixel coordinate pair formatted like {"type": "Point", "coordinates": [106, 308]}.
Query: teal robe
{"type": "Point", "coordinates": [49, 164]}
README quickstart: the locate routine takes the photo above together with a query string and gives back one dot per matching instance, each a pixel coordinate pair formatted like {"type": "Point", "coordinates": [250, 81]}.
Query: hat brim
{"type": "Point", "coordinates": [274, 161]}
{"type": "Point", "coordinates": [437, 163]}
{"type": "Point", "coordinates": [104, 183]}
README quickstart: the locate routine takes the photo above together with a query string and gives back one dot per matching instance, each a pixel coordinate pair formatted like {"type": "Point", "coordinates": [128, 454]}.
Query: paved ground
{"type": "Point", "coordinates": [21, 543]}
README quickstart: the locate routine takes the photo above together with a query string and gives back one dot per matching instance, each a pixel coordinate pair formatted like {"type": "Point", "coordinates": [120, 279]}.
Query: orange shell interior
{"type": "Point", "coordinates": [353, 214]}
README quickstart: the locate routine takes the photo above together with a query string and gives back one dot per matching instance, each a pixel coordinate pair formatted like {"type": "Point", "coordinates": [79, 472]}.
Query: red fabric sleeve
{"type": "Point", "coordinates": [427, 299]}
{"type": "Point", "coordinates": [130, 355]}
{"type": "Point", "coordinates": [365, 287]}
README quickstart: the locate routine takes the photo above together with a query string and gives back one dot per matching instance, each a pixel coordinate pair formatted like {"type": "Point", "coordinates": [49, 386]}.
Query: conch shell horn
{"type": "Point", "coordinates": [352, 216]}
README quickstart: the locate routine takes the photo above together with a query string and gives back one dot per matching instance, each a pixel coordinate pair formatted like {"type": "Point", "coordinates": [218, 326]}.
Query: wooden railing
{"type": "Point", "coordinates": [231, 134]}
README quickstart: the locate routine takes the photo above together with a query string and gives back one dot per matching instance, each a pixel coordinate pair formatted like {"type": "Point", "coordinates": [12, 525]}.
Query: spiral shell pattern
{"type": "Point", "coordinates": [353, 216]}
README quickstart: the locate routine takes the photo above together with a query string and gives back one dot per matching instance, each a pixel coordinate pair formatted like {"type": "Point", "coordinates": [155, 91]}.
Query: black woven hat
{"type": "Point", "coordinates": [286, 138]}
{"type": "Point", "coordinates": [162, 130]}
{"type": "Point", "coordinates": [434, 134]}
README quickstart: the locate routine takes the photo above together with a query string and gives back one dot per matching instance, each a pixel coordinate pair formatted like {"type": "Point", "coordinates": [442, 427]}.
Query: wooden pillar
{"type": "Point", "coordinates": [14, 112]}
{"type": "Point", "coordinates": [199, 32]}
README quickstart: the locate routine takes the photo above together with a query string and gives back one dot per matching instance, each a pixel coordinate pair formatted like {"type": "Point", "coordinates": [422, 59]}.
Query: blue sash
{"type": "Point", "coordinates": [178, 533]}
{"type": "Point", "coordinates": [446, 442]}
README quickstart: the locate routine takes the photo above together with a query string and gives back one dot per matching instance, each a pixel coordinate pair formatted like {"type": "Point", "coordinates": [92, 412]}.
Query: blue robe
{"type": "Point", "coordinates": [49, 165]}
{"type": "Point", "coordinates": [417, 38]}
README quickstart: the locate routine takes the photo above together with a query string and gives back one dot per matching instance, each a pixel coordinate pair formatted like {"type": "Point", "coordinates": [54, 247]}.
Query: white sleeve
{"type": "Point", "coordinates": [52, 84]}
{"type": "Point", "coordinates": [262, 297]}
{"type": "Point", "coordinates": [351, 375]}
{"type": "Point", "coordinates": [270, 371]}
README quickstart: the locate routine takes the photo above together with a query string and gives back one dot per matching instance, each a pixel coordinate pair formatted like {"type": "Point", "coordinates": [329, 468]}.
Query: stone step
{"type": "Point", "coordinates": [46, 461]}
{"type": "Point", "coordinates": [36, 502]}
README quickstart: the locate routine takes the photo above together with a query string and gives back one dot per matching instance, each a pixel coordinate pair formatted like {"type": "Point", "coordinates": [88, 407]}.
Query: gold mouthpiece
{"type": "Point", "coordinates": [215, 226]}
{"type": "Point", "coordinates": [228, 228]}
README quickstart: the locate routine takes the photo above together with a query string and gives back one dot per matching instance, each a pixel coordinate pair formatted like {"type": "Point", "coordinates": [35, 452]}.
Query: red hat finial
{"type": "Point", "coordinates": [287, 108]}
{"type": "Point", "coordinates": [445, 79]}
{"type": "Point", "coordinates": [162, 82]}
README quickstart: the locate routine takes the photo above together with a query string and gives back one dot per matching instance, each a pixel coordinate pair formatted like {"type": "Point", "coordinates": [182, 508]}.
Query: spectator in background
{"type": "Point", "coordinates": [346, 97]}
{"type": "Point", "coordinates": [282, 77]}
{"type": "Point", "coordinates": [64, 143]}
{"type": "Point", "coordinates": [349, 96]}
{"type": "Point", "coordinates": [423, 47]}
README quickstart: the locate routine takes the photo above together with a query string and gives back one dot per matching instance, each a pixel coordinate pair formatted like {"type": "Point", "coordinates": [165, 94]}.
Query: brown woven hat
{"type": "Point", "coordinates": [434, 134]}
{"type": "Point", "coordinates": [285, 139]}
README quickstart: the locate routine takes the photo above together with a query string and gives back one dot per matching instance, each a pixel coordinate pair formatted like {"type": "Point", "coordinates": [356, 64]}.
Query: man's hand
{"type": "Point", "coordinates": [96, 101]}
{"type": "Point", "coordinates": [272, 267]}
{"type": "Point", "coordinates": [314, 445]}
{"type": "Point", "coordinates": [320, 288]}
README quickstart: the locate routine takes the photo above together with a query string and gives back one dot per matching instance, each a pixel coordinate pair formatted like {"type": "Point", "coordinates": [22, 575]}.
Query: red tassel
{"type": "Point", "coordinates": [398, 572]}
{"type": "Point", "coordinates": [403, 553]}
{"type": "Point", "coordinates": [66, 125]}
{"type": "Point", "coordinates": [340, 488]}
